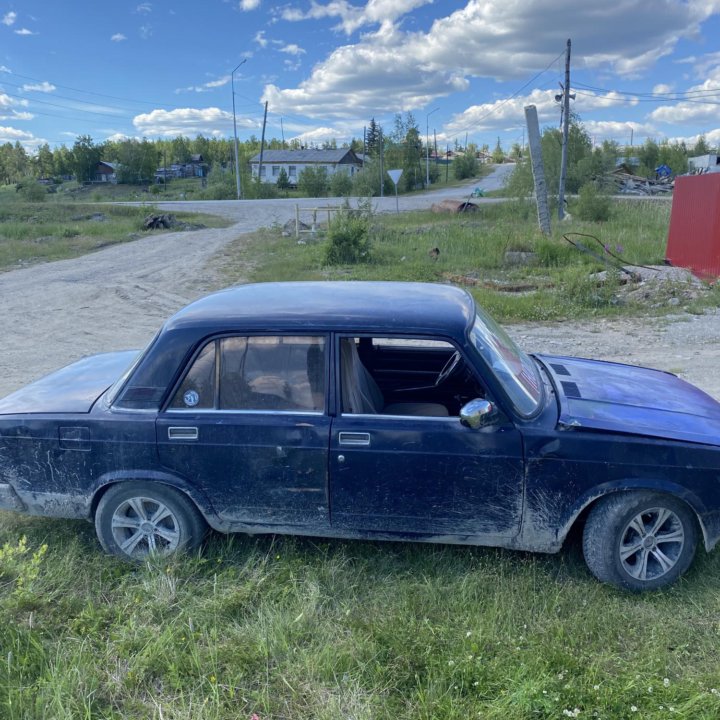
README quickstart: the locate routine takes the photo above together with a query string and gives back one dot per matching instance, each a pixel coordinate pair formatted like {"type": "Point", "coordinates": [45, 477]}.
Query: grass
{"type": "Point", "coordinates": [32, 232]}
{"type": "Point", "coordinates": [556, 286]}
{"type": "Point", "coordinates": [305, 629]}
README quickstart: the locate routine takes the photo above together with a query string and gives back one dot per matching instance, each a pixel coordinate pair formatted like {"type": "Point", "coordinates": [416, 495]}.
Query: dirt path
{"type": "Point", "coordinates": [116, 298]}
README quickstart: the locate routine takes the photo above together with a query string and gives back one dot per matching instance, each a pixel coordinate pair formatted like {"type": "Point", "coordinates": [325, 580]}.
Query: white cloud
{"type": "Point", "coordinates": [9, 18]}
{"type": "Point", "coordinates": [189, 121]}
{"type": "Point", "coordinates": [26, 139]}
{"type": "Point", "coordinates": [8, 108]}
{"type": "Point", "coordinates": [323, 134]}
{"type": "Point", "coordinates": [292, 65]}
{"type": "Point", "coordinates": [712, 137]}
{"type": "Point", "coordinates": [247, 5]}
{"type": "Point", "coordinates": [44, 87]}
{"type": "Point", "coordinates": [621, 132]}
{"type": "Point", "coordinates": [292, 49]}
{"type": "Point", "coordinates": [5, 69]}
{"type": "Point", "coordinates": [662, 89]}
{"type": "Point", "coordinates": [206, 87]}
{"type": "Point", "coordinates": [390, 69]}
{"type": "Point", "coordinates": [260, 38]}
{"type": "Point", "coordinates": [146, 31]}
{"type": "Point", "coordinates": [353, 17]}
{"type": "Point", "coordinates": [144, 8]}
{"type": "Point", "coordinates": [693, 110]}
{"type": "Point", "coordinates": [24, 31]}
{"type": "Point", "coordinates": [118, 37]}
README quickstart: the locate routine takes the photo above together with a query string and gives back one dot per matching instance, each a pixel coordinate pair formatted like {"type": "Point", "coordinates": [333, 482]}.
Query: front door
{"type": "Point", "coordinates": [405, 469]}
{"type": "Point", "coordinates": [248, 426]}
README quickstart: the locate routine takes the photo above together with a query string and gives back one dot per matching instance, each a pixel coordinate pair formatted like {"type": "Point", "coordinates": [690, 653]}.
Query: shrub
{"type": "Point", "coordinates": [592, 205]}
{"type": "Point", "coordinates": [341, 184]}
{"type": "Point", "coordinates": [32, 192]}
{"type": "Point", "coordinates": [348, 237]}
{"type": "Point", "coordinates": [283, 181]}
{"type": "Point", "coordinates": [313, 182]}
{"type": "Point", "coordinates": [465, 166]}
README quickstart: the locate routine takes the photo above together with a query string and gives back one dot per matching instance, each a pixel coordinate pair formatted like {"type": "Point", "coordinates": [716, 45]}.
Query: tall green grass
{"type": "Point", "coordinates": [559, 284]}
{"type": "Point", "coordinates": [314, 629]}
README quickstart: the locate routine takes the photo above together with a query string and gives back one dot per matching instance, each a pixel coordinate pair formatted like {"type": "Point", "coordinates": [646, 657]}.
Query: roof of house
{"type": "Point", "coordinates": [308, 156]}
{"type": "Point", "coordinates": [112, 165]}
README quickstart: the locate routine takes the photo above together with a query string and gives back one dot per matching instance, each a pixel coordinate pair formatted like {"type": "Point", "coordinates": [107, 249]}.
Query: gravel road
{"type": "Point", "coordinates": [116, 298]}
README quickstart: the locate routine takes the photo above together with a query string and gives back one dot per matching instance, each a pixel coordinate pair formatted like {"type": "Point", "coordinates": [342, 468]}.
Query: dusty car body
{"type": "Point", "coordinates": [367, 410]}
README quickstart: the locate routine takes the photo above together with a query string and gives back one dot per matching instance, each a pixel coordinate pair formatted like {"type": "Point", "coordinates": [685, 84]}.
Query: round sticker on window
{"type": "Point", "coordinates": [191, 398]}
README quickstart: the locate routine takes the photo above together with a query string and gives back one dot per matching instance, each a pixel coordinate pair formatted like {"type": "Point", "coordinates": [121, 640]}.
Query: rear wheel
{"type": "Point", "coordinates": [138, 519]}
{"type": "Point", "coordinates": [639, 540]}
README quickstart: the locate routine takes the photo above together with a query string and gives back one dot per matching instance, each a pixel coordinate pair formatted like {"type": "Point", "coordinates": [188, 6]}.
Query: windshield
{"type": "Point", "coordinates": [516, 372]}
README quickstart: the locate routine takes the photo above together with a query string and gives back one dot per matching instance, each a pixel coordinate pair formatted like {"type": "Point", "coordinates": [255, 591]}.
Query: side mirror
{"type": "Point", "coordinates": [478, 413]}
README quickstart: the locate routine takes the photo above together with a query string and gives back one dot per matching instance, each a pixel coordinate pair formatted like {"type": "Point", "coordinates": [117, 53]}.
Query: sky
{"type": "Point", "coordinates": [464, 68]}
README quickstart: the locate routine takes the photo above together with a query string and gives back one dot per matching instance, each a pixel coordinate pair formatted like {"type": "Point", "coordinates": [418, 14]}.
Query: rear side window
{"type": "Point", "coordinates": [279, 373]}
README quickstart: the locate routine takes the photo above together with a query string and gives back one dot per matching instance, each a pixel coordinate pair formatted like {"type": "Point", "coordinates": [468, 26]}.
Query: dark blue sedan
{"type": "Point", "coordinates": [367, 410]}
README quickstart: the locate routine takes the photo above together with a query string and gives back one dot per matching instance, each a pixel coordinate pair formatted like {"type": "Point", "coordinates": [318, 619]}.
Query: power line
{"type": "Point", "coordinates": [477, 121]}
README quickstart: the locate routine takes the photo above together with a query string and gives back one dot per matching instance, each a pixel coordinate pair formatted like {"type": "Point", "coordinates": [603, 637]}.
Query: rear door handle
{"type": "Point", "coordinates": [182, 433]}
{"type": "Point", "coordinates": [354, 438]}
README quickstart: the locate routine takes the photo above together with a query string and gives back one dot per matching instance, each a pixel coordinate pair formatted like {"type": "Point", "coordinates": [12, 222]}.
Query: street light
{"type": "Point", "coordinates": [427, 146]}
{"type": "Point", "coordinates": [237, 162]}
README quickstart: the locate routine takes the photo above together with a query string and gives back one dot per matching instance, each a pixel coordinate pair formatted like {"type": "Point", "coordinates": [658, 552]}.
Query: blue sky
{"type": "Point", "coordinates": [162, 68]}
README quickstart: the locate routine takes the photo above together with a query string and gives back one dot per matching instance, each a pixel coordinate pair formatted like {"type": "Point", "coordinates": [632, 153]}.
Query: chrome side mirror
{"type": "Point", "coordinates": [478, 414]}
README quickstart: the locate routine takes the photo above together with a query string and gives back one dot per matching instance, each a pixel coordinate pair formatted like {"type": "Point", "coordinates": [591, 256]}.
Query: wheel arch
{"type": "Point", "coordinates": [198, 498]}
{"type": "Point", "coordinates": [707, 524]}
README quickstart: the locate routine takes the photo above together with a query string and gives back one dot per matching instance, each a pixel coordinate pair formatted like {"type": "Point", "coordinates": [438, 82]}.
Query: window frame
{"type": "Point", "coordinates": [167, 408]}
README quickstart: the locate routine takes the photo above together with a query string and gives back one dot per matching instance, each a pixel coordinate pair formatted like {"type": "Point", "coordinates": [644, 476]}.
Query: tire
{"type": "Point", "coordinates": [639, 540]}
{"type": "Point", "coordinates": [137, 519]}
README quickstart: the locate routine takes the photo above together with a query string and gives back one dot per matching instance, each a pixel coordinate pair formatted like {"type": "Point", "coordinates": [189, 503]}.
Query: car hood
{"type": "Point", "coordinates": [74, 389]}
{"type": "Point", "coordinates": [624, 398]}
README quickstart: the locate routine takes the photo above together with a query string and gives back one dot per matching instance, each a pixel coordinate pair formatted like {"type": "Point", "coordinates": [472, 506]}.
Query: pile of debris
{"type": "Point", "coordinates": [166, 221]}
{"type": "Point", "coordinates": [621, 181]}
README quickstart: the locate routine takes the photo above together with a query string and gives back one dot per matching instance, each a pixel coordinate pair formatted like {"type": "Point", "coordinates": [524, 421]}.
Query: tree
{"type": "Point", "coordinates": [498, 153]}
{"type": "Point", "coordinates": [372, 139]}
{"type": "Point", "coordinates": [465, 166]}
{"type": "Point", "coordinates": [137, 161]}
{"type": "Point", "coordinates": [283, 181]}
{"type": "Point", "coordinates": [340, 184]}
{"type": "Point", "coordinates": [44, 161]}
{"type": "Point", "coordinates": [86, 156]}
{"type": "Point", "coordinates": [181, 150]}
{"type": "Point", "coordinates": [62, 162]}
{"type": "Point", "coordinates": [313, 182]}
{"type": "Point", "coordinates": [413, 169]}
{"type": "Point", "coordinates": [700, 147]}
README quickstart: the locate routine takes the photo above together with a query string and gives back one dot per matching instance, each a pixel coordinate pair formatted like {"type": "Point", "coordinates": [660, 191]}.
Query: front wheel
{"type": "Point", "coordinates": [639, 540]}
{"type": "Point", "coordinates": [137, 519]}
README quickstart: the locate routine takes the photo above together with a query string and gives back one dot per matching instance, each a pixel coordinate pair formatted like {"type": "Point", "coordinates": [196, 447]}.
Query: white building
{"type": "Point", "coordinates": [295, 161]}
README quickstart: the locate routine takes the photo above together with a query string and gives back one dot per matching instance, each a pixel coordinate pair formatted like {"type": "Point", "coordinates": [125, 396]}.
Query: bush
{"type": "Point", "coordinates": [32, 192]}
{"type": "Point", "coordinates": [465, 166]}
{"type": "Point", "coordinates": [313, 182]}
{"type": "Point", "coordinates": [341, 184]}
{"type": "Point", "coordinates": [348, 237]}
{"type": "Point", "coordinates": [592, 205]}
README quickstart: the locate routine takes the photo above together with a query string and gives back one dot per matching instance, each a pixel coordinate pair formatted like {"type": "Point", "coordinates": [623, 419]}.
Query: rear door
{"type": "Point", "coordinates": [248, 425]}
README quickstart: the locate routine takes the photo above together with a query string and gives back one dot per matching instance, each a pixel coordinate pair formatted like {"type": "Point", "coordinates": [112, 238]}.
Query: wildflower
{"type": "Point", "coordinates": [666, 682]}
{"type": "Point", "coordinates": [714, 691]}
{"type": "Point", "coordinates": [468, 633]}
{"type": "Point", "coordinates": [476, 683]}
{"type": "Point", "coordinates": [596, 687]}
{"type": "Point", "coordinates": [633, 708]}
{"type": "Point", "coordinates": [451, 663]}
{"type": "Point", "coordinates": [650, 689]}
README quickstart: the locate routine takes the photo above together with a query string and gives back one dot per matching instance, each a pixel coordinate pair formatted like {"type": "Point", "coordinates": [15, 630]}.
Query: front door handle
{"type": "Point", "coordinates": [182, 433]}
{"type": "Point", "coordinates": [354, 438]}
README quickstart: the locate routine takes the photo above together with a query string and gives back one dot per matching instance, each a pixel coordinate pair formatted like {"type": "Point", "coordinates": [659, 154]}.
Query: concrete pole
{"type": "Point", "coordinates": [237, 162]}
{"type": "Point", "coordinates": [533, 126]}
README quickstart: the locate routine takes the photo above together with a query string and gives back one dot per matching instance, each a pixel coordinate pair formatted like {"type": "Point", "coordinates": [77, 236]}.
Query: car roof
{"type": "Point", "coordinates": [342, 306]}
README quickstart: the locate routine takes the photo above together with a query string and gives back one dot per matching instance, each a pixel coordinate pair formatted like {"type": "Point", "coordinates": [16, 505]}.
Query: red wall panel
{"type": "Point", "coordinates": [694, 237]}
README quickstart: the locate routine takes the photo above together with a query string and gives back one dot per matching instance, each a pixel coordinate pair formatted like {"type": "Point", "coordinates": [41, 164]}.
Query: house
{"type": "Point", "coordinates": [106, 172]}
{"type": "Point", "coordinates": [197, 167]}
{"type": "Point", "coordinates": [295, 161]}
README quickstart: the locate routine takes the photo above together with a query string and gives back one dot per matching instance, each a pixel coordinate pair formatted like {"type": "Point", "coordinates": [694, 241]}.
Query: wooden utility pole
{"type": "Point", "coordinates": [533, 126]}
{"type": "Point", "coordinates": [382, 165]}
{"type": "Point", "coordinates": [262, 144]}
{"type": "Point", "coordinates": [565, 133]}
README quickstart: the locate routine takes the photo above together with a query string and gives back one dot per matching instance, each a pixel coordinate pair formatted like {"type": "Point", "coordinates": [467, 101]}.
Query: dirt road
{"type": "Point", "coordinates": [116, 298]}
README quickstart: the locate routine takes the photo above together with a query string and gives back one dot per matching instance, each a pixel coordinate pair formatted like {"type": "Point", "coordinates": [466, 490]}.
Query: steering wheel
{"type": "Point", "coordinates": [448, 368]}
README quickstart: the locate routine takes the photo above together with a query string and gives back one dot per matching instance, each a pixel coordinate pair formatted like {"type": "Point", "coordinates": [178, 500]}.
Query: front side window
{"type": "Point", "coordinates": [275, 170]}
{"type": "Point", "coordinates": [292, 171]}
{"type": "Point", "coordinates": [279, 373]}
